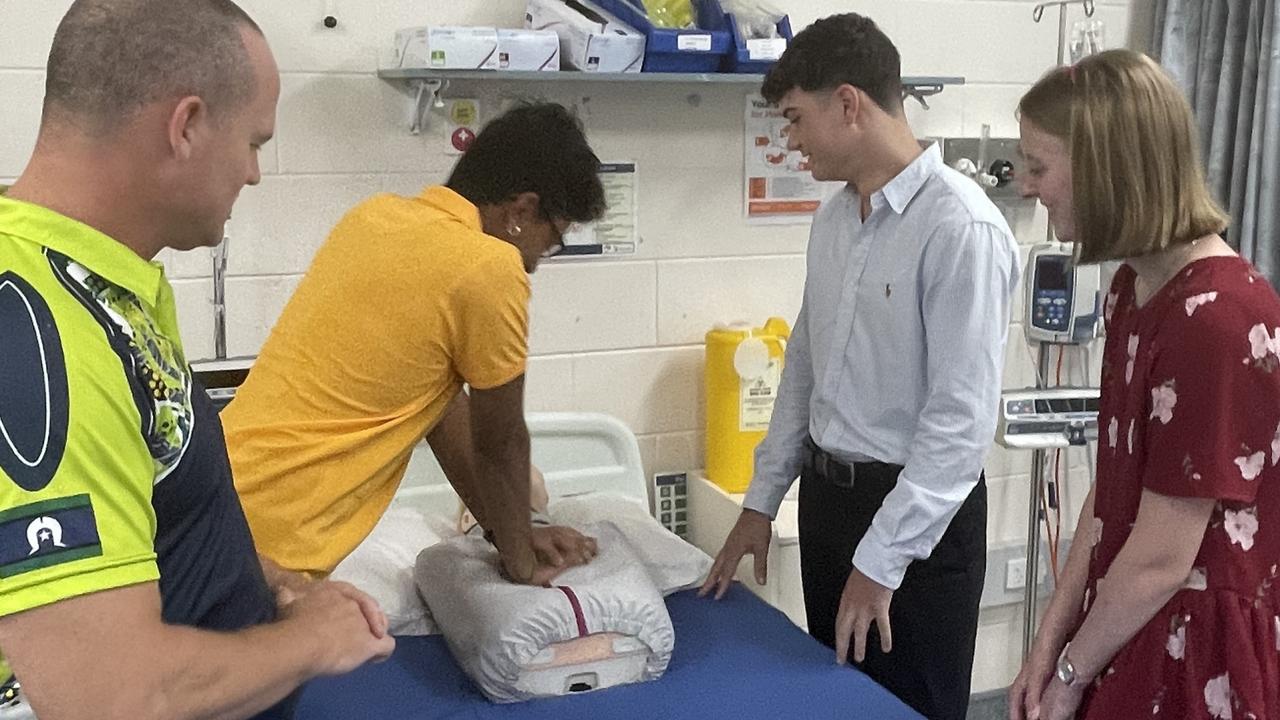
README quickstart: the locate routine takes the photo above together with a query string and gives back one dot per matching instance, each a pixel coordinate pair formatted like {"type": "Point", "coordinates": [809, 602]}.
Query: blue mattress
{"type": "Point", "coordinates": [737, 658]}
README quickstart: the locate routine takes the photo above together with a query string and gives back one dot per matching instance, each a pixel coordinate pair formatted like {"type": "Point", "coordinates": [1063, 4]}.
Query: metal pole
{"type": "Point", "coordinates": [1038, 460]}
{"type": "Point", "coordinates": [1062, 34]}
{"type": "Point", "coordinates": [220, 298]}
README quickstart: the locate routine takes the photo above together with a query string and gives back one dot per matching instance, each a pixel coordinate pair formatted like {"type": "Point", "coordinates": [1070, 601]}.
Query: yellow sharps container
{"type": "Point", "coordinates": [743, 370]}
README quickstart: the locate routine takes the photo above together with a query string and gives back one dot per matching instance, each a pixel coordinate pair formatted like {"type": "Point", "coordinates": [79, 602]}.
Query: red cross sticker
{"type": "Point", "coordinates": [462, 139]}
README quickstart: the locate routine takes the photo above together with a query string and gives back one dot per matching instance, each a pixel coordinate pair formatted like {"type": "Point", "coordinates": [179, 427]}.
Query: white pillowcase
{"type": "Point", "coordinates": [672, 563]}
{"type": "Point", "coordinates": [382, 566]}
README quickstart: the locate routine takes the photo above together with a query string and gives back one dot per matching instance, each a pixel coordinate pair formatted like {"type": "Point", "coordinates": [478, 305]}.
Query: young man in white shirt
{"type": "Point", "coordinates": [892, 379]}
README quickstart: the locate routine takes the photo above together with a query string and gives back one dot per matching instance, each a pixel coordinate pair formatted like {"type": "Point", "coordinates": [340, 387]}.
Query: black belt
{"type": "Point", "coordinates": [841, 474]}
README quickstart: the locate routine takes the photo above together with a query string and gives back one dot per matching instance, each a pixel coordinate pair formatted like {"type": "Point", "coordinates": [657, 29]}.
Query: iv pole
{"type": "Point", "coordinates": [1038, 14]}
{"type": "Point", "coordinates": [1040, 458]}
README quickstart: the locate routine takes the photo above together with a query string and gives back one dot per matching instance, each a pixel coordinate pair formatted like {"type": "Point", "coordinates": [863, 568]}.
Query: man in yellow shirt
{"type": "Point", "coordinates": [410, 299]}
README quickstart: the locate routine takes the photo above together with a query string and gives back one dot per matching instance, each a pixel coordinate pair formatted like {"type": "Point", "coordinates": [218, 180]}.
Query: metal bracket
{"type": "Point", "coordinates": [920, 92]}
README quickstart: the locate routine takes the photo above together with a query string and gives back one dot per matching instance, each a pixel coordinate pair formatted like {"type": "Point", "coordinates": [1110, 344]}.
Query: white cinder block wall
{"type": "Point", "coordinates": [617, 336]}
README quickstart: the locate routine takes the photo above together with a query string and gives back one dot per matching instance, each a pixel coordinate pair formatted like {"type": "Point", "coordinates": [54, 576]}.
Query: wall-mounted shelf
{"type": "Point", "coordinates": [430, 84]}
{"type": "Point", "coordinates": [567, 76]}
{"type": "Point", "coordinates": [640, 77]}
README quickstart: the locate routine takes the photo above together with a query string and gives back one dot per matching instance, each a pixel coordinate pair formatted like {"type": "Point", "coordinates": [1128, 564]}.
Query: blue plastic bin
{"type": "Point", "coordinates": [738, 59]}
{"type": "Point", "coordinates": [678, 51]}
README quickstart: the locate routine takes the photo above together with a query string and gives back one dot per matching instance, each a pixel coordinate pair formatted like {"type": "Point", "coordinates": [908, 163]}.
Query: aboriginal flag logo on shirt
{"type": "Point", "coordinates": [48, 533]}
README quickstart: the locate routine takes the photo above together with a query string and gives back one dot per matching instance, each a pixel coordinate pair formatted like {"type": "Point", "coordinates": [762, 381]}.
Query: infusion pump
{"type": "Point", "coordinates": [1063, 298]}
{"type": "Point", "coordinates": [1048, 417]}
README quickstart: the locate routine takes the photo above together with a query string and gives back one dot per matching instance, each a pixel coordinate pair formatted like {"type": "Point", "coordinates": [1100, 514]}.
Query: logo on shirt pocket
{"type": "Point", "coordinates": [887, 287]}
{"type": "Point", "coordinates": [33, 387]}
{"type": "Point", "coordinates": [47, 533]}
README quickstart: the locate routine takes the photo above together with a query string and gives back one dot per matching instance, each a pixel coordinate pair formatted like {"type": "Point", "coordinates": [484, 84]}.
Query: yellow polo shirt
{"type": "Point", "coordinates": [407, 300]}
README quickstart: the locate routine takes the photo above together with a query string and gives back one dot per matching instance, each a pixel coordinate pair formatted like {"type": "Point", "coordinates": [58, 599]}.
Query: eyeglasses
{"type": "Point", "coordinates": [557, 247]}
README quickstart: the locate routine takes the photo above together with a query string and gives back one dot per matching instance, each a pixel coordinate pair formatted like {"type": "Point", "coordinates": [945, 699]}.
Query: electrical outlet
{"type": "Point", "coordinates": [1015, 575]}
{"type": "Point", "coordinates": [1005, 582]}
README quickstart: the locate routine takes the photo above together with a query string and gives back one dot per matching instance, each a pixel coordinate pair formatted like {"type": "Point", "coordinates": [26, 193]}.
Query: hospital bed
{"type": "Point", "coordinates": [736, 658]}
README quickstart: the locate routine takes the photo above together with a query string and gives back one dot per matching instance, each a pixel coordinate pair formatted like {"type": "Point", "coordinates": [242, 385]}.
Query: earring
{"type": "Point", "coordinates": [514, 230]}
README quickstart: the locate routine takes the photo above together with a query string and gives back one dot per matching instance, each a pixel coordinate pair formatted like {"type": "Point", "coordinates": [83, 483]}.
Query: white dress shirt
{"type": "Point", "coordinates": [897, 354]}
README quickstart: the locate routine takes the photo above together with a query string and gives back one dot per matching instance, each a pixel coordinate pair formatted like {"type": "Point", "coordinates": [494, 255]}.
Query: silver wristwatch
{"type": "Point", "coordinates": [1066, 672]}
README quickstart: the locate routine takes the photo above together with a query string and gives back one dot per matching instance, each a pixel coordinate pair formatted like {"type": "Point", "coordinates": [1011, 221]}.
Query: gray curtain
{"type": "Point", "coordinates": [1226, 56]}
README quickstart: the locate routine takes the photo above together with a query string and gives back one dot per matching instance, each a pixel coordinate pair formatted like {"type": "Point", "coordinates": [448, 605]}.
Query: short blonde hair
{"type": "Point", "coordinates": [1136, 178]}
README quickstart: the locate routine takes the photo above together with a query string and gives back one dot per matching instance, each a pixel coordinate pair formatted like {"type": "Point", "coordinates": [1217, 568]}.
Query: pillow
{"type": "Point", "coordinates": [601, 625]}
{"type": "Point", "coordinates": [673, 564]}
{"type": "Point", "coordinates": [382, 566]}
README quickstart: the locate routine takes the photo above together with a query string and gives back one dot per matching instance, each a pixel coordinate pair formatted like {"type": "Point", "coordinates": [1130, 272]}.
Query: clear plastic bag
{"type": "Point", "coordinates": [1088, 37]}
{"type": "Point", "coordinates": [756, 20]}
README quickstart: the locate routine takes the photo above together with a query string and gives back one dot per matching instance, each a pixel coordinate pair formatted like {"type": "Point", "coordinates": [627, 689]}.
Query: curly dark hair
{"type": "Point", "coordinates": [538, 148]}
{"type": "Point", "coordinates": [837, 50]}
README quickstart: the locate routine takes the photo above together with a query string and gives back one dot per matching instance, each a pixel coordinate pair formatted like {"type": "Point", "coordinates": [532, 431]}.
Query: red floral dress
{"type": "Point", "coordinates": [1191, 408]}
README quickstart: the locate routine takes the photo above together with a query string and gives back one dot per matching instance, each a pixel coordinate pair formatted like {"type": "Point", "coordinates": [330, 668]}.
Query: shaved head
{"type": "Point", "coordinates": [111, 58]}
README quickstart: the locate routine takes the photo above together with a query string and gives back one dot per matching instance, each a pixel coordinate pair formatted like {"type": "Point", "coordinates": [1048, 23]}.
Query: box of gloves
{"type": "Point", "coordinates": [531, 50]}
{"type": "Point", "coordinates": [447, 48]}
{"type": "Point", "coordinates": [591, 39]}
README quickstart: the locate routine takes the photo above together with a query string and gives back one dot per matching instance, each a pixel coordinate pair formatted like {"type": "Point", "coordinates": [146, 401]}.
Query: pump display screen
{"type": "Point", "coordinates": [1051, 293]}
{"type": "Point", "coordinates": [1051, 274]}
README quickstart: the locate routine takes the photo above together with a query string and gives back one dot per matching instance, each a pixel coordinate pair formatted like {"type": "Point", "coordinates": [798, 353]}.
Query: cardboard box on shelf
{"type": "Point", "coordinates": [528, 50]}
{"type": "Point", "coordinates": [447, 48]}
{"type": "Point", "coordinates": [591, 39]}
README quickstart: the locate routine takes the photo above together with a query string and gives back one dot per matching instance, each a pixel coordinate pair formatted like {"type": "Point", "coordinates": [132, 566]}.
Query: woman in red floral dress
{"type": "Point", "coordinates": [1170, 602]}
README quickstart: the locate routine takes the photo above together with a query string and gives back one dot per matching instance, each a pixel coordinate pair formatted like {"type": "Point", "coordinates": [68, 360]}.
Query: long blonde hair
{"type": "Point", "coordinates": [1136, 178]}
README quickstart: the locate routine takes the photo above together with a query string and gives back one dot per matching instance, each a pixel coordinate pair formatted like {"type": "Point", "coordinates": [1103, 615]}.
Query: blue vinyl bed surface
{"type": "Point", "coordinates": [736, 658]}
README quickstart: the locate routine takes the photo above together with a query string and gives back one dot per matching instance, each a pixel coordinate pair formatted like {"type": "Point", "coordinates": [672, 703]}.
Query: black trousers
{"type": "Point", "coordinates": [934, 614]}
